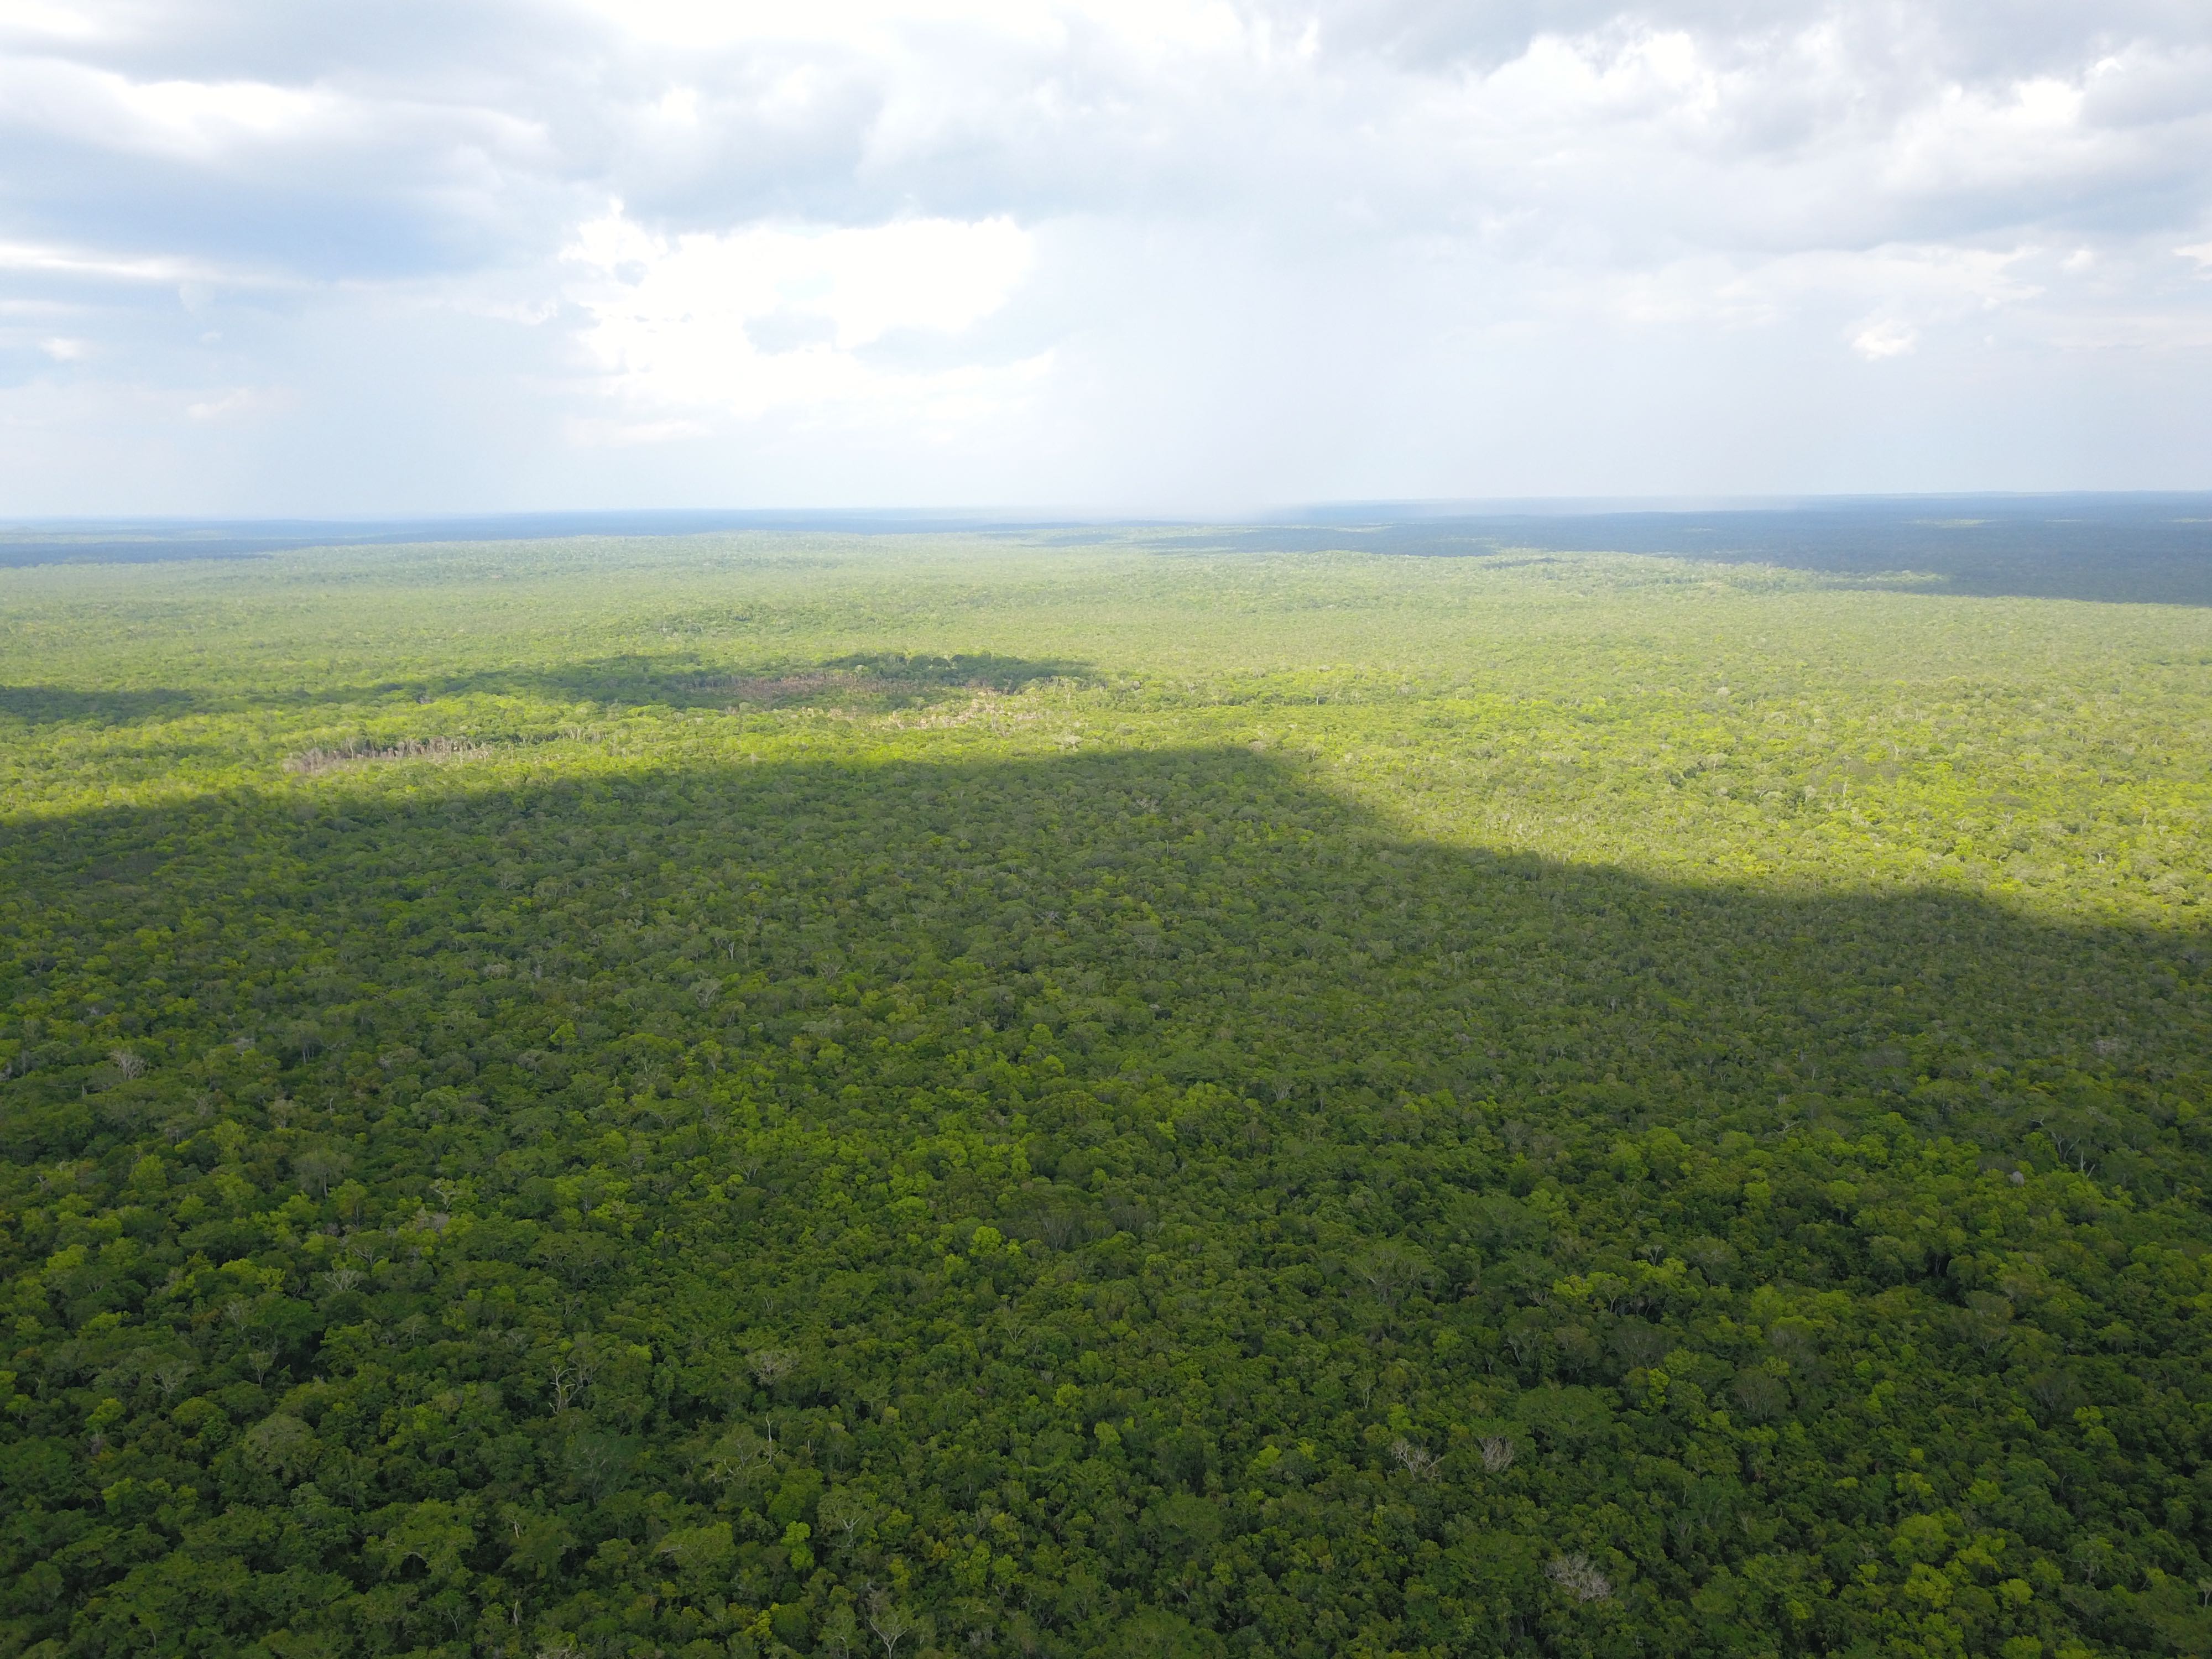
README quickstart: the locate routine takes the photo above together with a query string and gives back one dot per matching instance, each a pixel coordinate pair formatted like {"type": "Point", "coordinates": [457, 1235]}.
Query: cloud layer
{"type": "Point", "coordinates": [1156, 254]}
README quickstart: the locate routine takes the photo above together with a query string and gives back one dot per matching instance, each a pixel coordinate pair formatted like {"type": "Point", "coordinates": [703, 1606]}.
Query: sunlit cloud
{"type": "Point", "coordinates": [1884, 339]}
{"type": "Point", "coordinates": [191, 120]}
{"type": "Point", "coordinates": [239, 402]}
{"type": "Point", "coordinates": [94, 263]}
{"type": "Point", "coordinates": [770, 317]}
{"type": "Point", "coordinates": [1074, 249]}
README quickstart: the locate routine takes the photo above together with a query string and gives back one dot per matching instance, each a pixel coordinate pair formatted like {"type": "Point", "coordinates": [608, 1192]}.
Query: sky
{"type": "Point", "coordinates": [269, 257]}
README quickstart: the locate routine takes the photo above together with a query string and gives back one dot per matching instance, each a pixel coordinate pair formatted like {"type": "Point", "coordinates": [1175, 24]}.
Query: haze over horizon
{"type": "Point", "coordinates": [1176, 257]}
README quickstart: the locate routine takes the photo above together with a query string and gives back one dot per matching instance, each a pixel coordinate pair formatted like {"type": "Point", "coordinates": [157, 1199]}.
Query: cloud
{"type": "Point", "coordinates": [1110, 248]}
{"type": "Point", "coordinates": [90, 263]}
{"type": "Point", "coordinates": [189, 120]}
{"type": "Point", "coordinates": [781, 317]}
{"type": "Point", "coordinates": [239, 402]}
{"type": "Point", "coordinates": [1884, 338]}
{"type": "Point", "coordinates": [621, 434]}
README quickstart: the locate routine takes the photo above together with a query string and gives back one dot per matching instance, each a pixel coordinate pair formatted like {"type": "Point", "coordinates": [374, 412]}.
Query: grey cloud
{"type": "Point", "coordinates": [1948, 40]}
{"type": "Point", "coordinates": [1344, 196]}
{"type": "Point", "coordinates": [450, 133]}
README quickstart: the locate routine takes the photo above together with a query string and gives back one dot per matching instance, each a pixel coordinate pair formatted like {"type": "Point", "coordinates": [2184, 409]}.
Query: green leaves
{"type": "Point", "coordinates": [1307, 1164]}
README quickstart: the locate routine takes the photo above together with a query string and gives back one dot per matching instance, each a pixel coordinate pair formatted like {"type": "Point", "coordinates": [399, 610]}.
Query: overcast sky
{"type": "Point", "coordinates": [280, 257]}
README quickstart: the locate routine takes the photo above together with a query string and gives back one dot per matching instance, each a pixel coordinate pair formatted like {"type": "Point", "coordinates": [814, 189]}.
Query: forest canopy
{"type": "Point", "coordinates": [748, 1094]}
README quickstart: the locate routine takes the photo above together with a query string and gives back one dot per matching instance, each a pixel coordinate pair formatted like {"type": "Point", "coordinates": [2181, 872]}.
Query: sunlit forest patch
{"type": "Point", "coordinates": [746, 1094]}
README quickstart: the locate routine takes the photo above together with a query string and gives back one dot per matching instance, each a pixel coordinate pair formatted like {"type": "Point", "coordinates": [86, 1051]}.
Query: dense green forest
{"type": "Point", "coordinates": [928, 1096]}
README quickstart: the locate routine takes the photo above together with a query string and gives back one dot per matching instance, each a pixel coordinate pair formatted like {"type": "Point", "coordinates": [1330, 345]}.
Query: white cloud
{"type": "Point", "coordinates": [190, 119]}
{"type": "Point", "coordinates": [57, 20]}
{"type": "Point", "coordinates": [771, 317]}
{"type": "Point", "coordinates": [239, 402]}
{"type": "Point", "coordinates": [1111, 248]}
{"type": "Point", "coordinates": [1884, 338]}
{"type": "Point", "coordinates": [88, 263]}
{"type": "Point", "coordinates": [590, 433]}
{"type": "Point", "coordinates": [1156, 27]}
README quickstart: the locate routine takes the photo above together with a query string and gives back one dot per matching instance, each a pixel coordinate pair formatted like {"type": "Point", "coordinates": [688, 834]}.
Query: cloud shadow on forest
{"type": "Point", "coordinates": [674, 680]}
{"type": "Point", "coordinates": [1193, 916]}
{"type": "Point", "coordinates": [62, 705]}
{"type": "Point", "coordinates": [2122, 548]}
{"type": "Point", "coordinates": [2148, 550]}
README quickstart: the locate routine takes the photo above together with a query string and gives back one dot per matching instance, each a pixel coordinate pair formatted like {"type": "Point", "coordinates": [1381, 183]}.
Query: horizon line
{"type": "Point", "coordinates": [1331, 512]}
